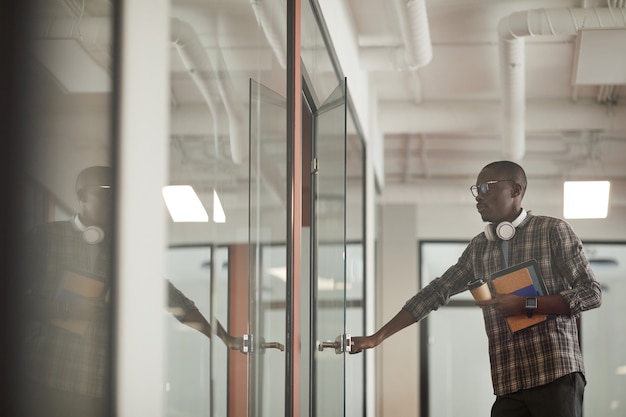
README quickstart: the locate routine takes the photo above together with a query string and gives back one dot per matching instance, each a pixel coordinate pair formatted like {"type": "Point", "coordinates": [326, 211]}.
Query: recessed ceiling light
{"type": "Point", "coordinates": [184, 204]}
{"type": "Point", "coordinates": [586, 199]}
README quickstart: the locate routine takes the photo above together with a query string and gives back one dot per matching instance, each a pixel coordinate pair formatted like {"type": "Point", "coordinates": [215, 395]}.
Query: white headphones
{"type": "Point", "coordinates": [91, 234]}
{"type": "Point", "coordinates": [504, 230]}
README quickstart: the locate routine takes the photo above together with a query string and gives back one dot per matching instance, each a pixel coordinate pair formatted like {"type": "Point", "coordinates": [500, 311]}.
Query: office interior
{"type": "Point", "coordinates": [331, 145]}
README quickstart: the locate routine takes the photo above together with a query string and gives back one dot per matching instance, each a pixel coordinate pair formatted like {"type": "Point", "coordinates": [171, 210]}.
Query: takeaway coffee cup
{"type": "Point", "coordinates": [479, 289]}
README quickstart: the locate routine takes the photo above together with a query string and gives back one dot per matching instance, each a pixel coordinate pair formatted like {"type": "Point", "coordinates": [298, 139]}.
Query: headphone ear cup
{"type": "Point", "coordinates": [91, 234]}
{"type": "Point", "coordinates": [505, 230]}
{"type": "Point", "coordinates": [490, 233]}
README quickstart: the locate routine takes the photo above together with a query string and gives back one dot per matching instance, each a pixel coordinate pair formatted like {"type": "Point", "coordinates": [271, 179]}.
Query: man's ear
{"type": "Point", "coordinates": [81, 195]}
{"type": "Point", "coordinates": [516, 190]}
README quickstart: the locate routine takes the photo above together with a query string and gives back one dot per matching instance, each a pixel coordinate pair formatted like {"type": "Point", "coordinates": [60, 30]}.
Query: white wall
{"type": "Point", "coordinates": [397, 357]}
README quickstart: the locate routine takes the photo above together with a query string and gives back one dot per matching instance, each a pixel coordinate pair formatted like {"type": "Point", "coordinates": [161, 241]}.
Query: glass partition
{"type": "Point", "coordinates": [228, 149]}
{"type": "Point", "coordinates": [448, 365]}
{"type": "Point", "coordinates": [329, 255]}
{"type": "Point", "coordinates": [602, 333]}
{"type": "Point", "coordinates": [355, 266]}
{"type": "Point", "coordinates": [339, 205]}
{"type": "Point", "coordinates": [63, 210]}
{"type": "Point", "coordinates": [268, 269]}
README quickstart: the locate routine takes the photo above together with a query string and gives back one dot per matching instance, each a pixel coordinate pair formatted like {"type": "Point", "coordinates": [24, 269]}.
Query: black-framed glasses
{"type": "Point", "coordinates": [483, 188]}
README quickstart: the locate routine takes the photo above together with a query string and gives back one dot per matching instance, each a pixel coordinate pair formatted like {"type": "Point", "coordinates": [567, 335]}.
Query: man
{"type": "Point", "coordinates": [67, 312]}
{"type": "Point", "coordinates": [537, 371]}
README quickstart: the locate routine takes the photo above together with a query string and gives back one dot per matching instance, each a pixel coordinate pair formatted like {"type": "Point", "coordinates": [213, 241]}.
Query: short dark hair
{"type": "Point", "coordinates": [512, 170]}
{"type": "Point", "coordinates": [95, 175]}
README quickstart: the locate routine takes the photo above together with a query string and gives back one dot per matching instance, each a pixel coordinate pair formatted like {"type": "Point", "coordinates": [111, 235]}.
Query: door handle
{"type": "Point", "coordinates": [341, 344]}
{"type": "Point", "coordinates": [249, 346]}
{"type": "Point", "coordinates": [272, 345]}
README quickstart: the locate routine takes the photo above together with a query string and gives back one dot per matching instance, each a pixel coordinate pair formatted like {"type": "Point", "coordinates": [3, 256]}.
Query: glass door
{"type": "Point", "coordinates": [328, 242]}
{"type": "Point", "coordinates": [267, 260]}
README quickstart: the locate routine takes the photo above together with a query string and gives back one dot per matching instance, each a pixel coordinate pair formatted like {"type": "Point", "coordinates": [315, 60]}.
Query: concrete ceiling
{"type": "Point", "coordinates": [440, 121]}
{"type": "Point", "coordinates": [444, 120]}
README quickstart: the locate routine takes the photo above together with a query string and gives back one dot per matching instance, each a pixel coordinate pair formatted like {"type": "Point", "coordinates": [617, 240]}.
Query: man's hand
{"type": "Point", "coordinates": [360, 343]}
{"type": "Point", "coordinates": [506, 304]}
{"type": "Point", "coordinates": [397, 323]}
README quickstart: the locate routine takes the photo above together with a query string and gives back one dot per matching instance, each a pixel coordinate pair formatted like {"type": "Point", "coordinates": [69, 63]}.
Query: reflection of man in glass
{"type": "Point", "coordinates": [67, 282]}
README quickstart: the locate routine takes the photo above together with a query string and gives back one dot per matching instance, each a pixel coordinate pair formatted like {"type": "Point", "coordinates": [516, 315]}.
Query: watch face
{"type": "Point", "coordinates": [531, 302]}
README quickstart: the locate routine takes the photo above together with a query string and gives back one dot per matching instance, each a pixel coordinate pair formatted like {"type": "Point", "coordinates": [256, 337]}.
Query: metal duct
{"type": "Point", "coordinates": [275, 37]}
{"type": "Point", "coordinates": [207, 79]}
{"type": "Point", "coordinates": [512, 30]}
{"type": "Point", "coordinates": [415, 32]}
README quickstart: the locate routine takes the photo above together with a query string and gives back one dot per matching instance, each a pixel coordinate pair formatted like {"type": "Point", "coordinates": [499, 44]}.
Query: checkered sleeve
{"type": "Point", "coordinates": [178, 304]}
{"type": "Point", "coordinates": [582, 291]}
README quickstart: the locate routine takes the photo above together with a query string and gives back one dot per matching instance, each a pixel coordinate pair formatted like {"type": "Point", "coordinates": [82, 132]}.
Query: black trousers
{"type": "Point", "coordinates": [560, 398]}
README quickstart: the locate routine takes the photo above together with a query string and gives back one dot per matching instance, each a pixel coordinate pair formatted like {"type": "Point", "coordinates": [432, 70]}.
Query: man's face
{"type": "Point", "coordinates": [95, 205]}
{"type": "Point", "coordinates": [498, 203]}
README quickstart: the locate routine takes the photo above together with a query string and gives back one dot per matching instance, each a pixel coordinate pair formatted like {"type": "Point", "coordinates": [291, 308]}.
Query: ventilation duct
{"type": "Point", "coordinates": [207, 79]}
{"type": "Point", "coordinates": [512, 31]}
{"type": "Point", "coordinates": [272, 33]}
{"type": "Point", "coordinates": [415, 32]}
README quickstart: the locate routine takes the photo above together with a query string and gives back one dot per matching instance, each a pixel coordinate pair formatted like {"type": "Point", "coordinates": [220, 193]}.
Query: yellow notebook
{"type": "Point", "coordinates": [524, 280]}
{"type": "Point", "coordinates": [74, 286]}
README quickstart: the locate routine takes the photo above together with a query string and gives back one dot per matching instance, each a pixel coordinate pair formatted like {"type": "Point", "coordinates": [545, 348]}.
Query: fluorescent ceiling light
{"type": "Point", "coordinates": [183, 204]}
{"type": "Point", "coordinates": [586, 199]}
{"type": "Point", "coordinates": [218, 211]}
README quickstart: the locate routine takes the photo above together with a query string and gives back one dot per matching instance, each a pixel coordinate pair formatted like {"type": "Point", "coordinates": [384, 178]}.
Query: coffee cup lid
{"type": "Point", "coordinates": [475, 284]}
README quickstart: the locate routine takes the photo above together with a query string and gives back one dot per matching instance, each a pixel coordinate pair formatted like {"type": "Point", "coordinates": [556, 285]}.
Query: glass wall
{"type": "Point", "coordinates": [61, 209]}
{"type": "Point", "coordinates": [338, 228]}
{"type": "Point", "coordinates": [228, 149]}
{"type": "Point", "coordinates": [355, 267]}
{"type": "Point", "coordinates": [224, 272]}
{"type": "Point", "coordinates": [602, 333]}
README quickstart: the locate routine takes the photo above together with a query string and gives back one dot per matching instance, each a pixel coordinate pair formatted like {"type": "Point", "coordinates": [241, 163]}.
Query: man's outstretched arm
{"type": "Point", "coordinates": [398, 322]}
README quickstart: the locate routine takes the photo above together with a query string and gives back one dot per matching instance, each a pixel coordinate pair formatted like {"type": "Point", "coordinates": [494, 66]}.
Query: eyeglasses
{"type": "Point", "coordinates": [483, 188]}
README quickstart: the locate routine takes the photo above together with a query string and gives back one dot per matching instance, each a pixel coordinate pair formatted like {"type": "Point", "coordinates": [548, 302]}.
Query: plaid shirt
{"type": "Point", "coordinates": [542, 353]}
{"type": "Point", "coordinates": [53, 355]}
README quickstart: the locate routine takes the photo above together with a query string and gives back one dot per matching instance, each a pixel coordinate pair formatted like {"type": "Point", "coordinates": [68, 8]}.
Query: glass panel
{"type": "Point", "coordinates": [62, 222]}
{"type": "Point", "coordinates": [602, 333]}
{"type": "Point", "coordinates": [355, 267]}
{"type": "Point", "coordinates": [329, 252]}
{"type": "Point", "coordinates": [228, 145]}
{"type": "Point", "coordinates": [268, 260]}
{"type": "Point", "coordinates": [322, 78]}
{"type": "Point", "coordinates": [188, 351]}
{"type": "Point", "coordinates": [453, 366]}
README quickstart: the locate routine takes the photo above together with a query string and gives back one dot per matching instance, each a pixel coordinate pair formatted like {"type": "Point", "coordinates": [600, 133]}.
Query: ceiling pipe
{"type": "Point", "coordinates": [483, 117]}
{"type": "Point", "coordinates": [208, 79]}
{"type": "Point", "coordinates": [273, 35]}
{"type": "Point", "coordinates": [512, 31]}
{"type": "Point", "coordinates": [415, 32]}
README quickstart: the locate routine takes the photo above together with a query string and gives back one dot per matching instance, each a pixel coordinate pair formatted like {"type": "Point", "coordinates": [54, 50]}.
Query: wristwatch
{"type": "Point", "coordinates": [531, 306]}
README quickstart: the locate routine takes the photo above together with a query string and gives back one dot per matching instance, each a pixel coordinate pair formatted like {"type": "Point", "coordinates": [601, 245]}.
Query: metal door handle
{"type": "Point", "coordinates": [341, 344]}
{"type": "Point", "coordinates": [324, 345]}
{"type": "Point", "coordinates": [272, 345]}
{"type": "Point", "coordinates": [249, 346]}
